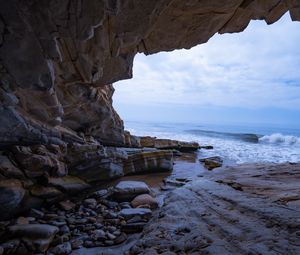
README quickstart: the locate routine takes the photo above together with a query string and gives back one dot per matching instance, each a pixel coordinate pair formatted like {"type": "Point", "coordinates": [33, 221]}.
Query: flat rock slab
{"type": "Point", "coordinates": [69, 184]}
{"type": "Point", "coordinates": [132, 212]}
{"type": "Point", "coordinates": [207, 216]}
{"type": "Point", "coordinates": [128, 190]}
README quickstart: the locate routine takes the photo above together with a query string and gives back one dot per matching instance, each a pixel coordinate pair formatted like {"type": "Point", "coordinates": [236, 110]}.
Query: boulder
{"type": "Point", "coordinates": [128, 190]}
{"type": "Point", "coordinates": [144, 200]}
{"type": "Point", "coordinates": [11, 196]}
{"type": "Point", "coordinates": [212, 162]}
{"type": "Point", "coordinates": [93, 162]}
{"type": "Point", "coordinates": [36, 236]}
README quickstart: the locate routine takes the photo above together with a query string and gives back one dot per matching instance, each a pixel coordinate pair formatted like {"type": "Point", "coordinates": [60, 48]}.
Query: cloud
{"type": "Point", "coordinates": [254, 69]}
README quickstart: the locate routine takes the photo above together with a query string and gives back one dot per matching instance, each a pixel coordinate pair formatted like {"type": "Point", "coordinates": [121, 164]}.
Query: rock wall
{"type": "Point", "coordinates": [57, 57]}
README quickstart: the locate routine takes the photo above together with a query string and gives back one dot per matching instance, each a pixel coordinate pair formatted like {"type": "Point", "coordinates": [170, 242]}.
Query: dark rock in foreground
{"type": "Point", "coordinates": [212, 162]}
{"type": "Point", "coordinates": [36, 236]}
{"type": "Point", "coordinates": [128, 190]}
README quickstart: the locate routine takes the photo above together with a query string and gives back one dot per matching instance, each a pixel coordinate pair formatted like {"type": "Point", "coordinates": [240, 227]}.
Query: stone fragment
{"type": "Point", "coordinates": [36, 236]}
{"type": "Point", "coordinates": [131, 228]}
{"type": "Point", "coordinates": [206, 147]}
{"type": "Point", "coordinates": [212, 162]}
{"type": "Point", "coordinates": [130, 213]}
{"type": "Point", "coordinates": [36, 213]}
{"type": "Point", "coordinates": [76, 243]}
{"type": "Point", "coordinates": [127, 190]}
{"type": "Point", "coordinates": [22, 221]}
{"type": "Point", "coordinates": [69, 184]}
{"type": "Point", "coordinates": [144, 199]}
{"type": "Point", "coordinates": [62, 249]}
{"type": "Point", "coordinates": [67, 205]}
{"type": "Point", "coordinates": [44, 192]}
{"type": "Point", "coordinates": [90, 202]}
{"type": "Point", "coordinates": [98, 234]}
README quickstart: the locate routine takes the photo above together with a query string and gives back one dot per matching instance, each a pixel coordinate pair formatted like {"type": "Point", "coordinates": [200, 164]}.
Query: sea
{"type": "Point", "coordinates": [235, 143]}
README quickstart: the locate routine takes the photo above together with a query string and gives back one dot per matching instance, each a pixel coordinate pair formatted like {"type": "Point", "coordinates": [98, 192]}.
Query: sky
{"type": "Point", "coordinates": [249, 77]}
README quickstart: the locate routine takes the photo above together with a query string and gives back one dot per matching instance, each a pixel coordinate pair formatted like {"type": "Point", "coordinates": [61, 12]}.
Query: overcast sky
{"type": "Point", "coordinates": [249, 77]}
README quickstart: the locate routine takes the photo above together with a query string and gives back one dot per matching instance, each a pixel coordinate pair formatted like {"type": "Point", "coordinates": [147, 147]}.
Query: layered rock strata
{"type": "Point", "coordinates": [58, 60]}
{"type": "Point", "coordinates": [34, 175]}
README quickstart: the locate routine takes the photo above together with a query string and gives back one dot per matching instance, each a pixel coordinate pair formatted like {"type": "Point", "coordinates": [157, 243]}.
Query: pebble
{"type": "Point", "coordinates": [121, 238]}
{"type": "Point", "coordinates": [109, 242]}
{"type": "Point", "coordinates": [36, 213]}
{"type": "Point", "coordinates": [22, 221]}
{"type": "Point", "coordinates": [64, 230]}
{"type": "Point", "coordinates": [62, 249]}
{"type": "Point", "coordinates": [90, 202]}
{"type": "Point", "coordinates": [98, 235]}
{"type": "Point", "coordinates": [67, 205]}
{"type": "Point", "coordinates": [110, 236]}
{"type": "Point", "coordinates": [100, 193]}
{"type": "Point", "coordinates": [76, 244]}
{"type": "Point", "coordinates": [57, 223]}
{"type": "Point", "coordinates": [92, 222]}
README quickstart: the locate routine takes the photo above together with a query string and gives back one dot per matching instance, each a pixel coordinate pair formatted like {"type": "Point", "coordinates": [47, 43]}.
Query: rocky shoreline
{"type": "Point", "coordinates": [193, 211]}
{"type": "Point", "coordinates": [42, 191]}
{"type": "Point", "coordinates": [31, 176]}
{"type": "Point", "coordinates": [102, 218]}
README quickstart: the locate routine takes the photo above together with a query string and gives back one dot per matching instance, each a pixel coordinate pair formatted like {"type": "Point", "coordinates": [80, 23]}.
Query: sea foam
{"type": "Point", "coordinates": [279, 138]}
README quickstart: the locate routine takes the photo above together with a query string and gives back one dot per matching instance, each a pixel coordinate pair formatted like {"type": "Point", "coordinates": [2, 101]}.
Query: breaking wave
{"type": "Point", "coordinates": [279, 138]}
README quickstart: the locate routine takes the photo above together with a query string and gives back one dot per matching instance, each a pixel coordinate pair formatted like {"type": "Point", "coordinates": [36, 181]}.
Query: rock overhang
{"type": "Point", "coordinates": [58, 57]}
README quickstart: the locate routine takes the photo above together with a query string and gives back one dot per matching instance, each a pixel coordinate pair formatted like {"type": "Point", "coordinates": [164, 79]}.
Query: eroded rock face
{"type": "Point", "coordinates": [57, 57]}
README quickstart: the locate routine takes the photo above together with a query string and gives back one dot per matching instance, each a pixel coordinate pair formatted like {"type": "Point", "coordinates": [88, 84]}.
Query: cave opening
{"type": "Point", "coordinates": [208, 162]}
{"type": "Point", "coordinates": [230, 87]}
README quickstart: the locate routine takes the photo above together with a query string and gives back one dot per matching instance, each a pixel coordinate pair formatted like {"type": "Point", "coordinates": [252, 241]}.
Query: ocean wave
{"type": "Point", "coordinates": [252, 138]}
{"type": "Point", "coordinates": [279, 138]}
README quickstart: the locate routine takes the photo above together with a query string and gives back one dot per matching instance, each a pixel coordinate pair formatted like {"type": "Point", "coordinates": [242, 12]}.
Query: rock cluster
{"type": "Point", "coordinates": [34, 175]}
{"type": "Point", "coordinates": [94, 221]}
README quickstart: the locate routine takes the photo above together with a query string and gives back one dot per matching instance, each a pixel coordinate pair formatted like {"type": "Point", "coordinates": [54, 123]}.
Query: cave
{"type": "Point", "coordinates": [59, 132]}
